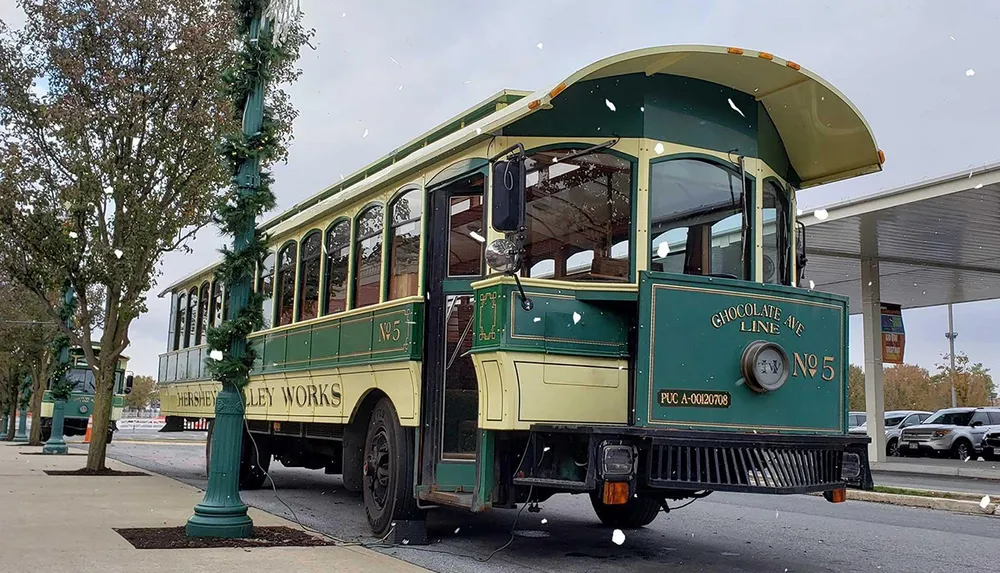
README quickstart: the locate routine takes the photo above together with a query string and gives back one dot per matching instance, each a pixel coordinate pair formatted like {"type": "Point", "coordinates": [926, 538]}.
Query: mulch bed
{"type": "Point", "coordinates": [176, 538]}
{"type": "Point", "coordinates": [86, 472]}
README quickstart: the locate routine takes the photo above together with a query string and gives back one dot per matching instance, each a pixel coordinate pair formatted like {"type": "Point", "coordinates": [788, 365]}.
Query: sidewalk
{"type": "Point", "coordinates": [64, 524]}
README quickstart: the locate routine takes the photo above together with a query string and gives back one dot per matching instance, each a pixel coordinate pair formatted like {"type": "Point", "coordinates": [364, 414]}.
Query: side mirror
{"type": "Point", "coordinates": [128, 383]}
{"type": "Point", "coordinates": [507, 190]}
{"type": "Point", "coordinates": [976, 424]}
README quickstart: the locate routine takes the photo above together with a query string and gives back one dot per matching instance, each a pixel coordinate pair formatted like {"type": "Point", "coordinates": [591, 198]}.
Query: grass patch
{"type": "Point", "coordinates": [928, 493]}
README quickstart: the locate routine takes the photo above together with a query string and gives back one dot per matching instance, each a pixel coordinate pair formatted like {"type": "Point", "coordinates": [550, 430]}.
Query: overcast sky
{"type": "Point", "coordinates": [397, 68]}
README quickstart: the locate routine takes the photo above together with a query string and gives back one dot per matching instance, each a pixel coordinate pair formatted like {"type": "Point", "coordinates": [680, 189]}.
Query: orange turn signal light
{"type": "Point", "coordinates": [736, 51]}
{"type": "Point", "coordinates": [793, 65]}
{"type": "Point", "coordinates": [557, 90]}
{"type": "Point", "coordinates": [838, 495]}
{"type": "Point", "coordinates": [765, 55]}
{"type": "Point", "coordinates": [881, 157]}
{"type": "Point", "coordinates": [534, 104]}
{"type": "Point", "coordinates": [615, 493]}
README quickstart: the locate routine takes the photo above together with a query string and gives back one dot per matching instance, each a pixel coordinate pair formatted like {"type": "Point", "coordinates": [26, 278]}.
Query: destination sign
{"type": "Point", "coordinates": [758, 318]}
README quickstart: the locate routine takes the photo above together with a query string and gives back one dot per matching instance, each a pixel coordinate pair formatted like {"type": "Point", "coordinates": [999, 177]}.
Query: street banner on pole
{"type": "Point", "coordinates": [893, 334]}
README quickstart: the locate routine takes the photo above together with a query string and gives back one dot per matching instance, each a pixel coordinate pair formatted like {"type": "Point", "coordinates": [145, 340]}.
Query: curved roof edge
{"type": "Point", "coordinates": [770, 79]}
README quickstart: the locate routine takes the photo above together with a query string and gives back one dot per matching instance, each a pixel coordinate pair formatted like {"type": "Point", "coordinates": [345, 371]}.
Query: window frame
{"type": "Point", "coordinates": [191, 317]}
{"type": "Point", "coordinates": [784, 190]}
{"type": "Point", "coordinates": [204, 311]}
{"type": "Point", "coordinates": [353, 261]}
{"type": "Point", "coordinates": [293, 244]}
{"type": "Point", "coordinates": [258, 283]}
{"type": "Point", "coordinates": [634, 173]}
{"type": "Point", "coordinates": [300, 275]}
{"type": "Point", "coordinates": [180, 319]}
{"type": "Point", "coordinates": [750, 251]}
{"type": "Point", "coordinates": [324, 293]}
{"type": "Point", "coordinates": [388, 235]}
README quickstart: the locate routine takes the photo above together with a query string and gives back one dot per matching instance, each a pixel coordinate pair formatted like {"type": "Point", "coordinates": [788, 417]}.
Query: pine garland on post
{"type": "Point", "coordinates": [271, 37]}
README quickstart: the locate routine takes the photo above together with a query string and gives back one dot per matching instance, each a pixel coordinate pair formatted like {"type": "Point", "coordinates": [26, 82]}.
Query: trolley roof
{"type": "Point", "coordinates": [826, 137]}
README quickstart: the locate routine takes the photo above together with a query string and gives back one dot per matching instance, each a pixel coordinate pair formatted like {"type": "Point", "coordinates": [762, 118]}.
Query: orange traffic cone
{"type": "Point", "coordinates": [90, 427]}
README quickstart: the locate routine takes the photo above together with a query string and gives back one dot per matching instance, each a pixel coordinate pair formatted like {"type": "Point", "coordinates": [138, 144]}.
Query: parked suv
{"type": "Point", "coordinates": [957, 432]}
{"type": "Point", "coordinates": [990, 448]}
{"type": "Point", "coordinates": [855, 419]}
{"type": "Point", "coordinates": [895, 422]}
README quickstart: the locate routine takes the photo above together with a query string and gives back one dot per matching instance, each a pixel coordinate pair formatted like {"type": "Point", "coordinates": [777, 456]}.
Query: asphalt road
{"type": "Point", "coordinates": [724, 532]}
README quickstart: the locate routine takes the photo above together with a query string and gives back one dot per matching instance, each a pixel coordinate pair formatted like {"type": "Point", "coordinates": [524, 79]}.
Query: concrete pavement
{"type": "Point", "coordinates": [937, 467]}
{"type": "Point", "coordinates": [64, 524]}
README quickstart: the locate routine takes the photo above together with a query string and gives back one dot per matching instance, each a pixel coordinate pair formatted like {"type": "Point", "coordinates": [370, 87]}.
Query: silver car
{"type": "Point", "coordinates": [957, 432]}
{"type": "Point", "coordinates": [895, 421]}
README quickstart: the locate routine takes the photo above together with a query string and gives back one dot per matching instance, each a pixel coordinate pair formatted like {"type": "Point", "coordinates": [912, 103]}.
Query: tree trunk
{"type": "Point", "coordinates": [37, 388]}
{"type": "Point", "coordinates": [96, 454]}
{"type": "Point", "coordinates": [13, 415]}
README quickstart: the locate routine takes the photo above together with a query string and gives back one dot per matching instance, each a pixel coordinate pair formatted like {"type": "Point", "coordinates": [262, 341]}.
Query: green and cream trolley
{"type": "Point", "coordinates": [589, 289]}
{"type": "Point", "coordinates": [80, 406]}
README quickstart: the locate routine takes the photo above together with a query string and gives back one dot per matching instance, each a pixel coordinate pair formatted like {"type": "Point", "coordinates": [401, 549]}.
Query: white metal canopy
{"type": "Point", "coordinates": [936, 242]}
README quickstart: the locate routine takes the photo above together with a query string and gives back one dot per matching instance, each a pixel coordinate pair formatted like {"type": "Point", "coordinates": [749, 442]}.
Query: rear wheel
{"type": "Point", "coordinates": [635, 513]}
{"type": "Point", "coordinates": [388, 470]}
{"type": "Point", "coordinates": [254, 462]}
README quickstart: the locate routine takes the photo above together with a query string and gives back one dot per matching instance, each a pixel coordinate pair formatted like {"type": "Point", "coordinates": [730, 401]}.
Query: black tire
{"type": "Point", "coordinates": [962, 450]}
{"type": "Point", "coordinates": [253, 469]}
{"type": "Point", "coordinates": [637, 512]}
{"type": "Point", "coordinates": [388, 470]}
{"type": "Point", "coordinates": [46, 433]}
{"type": "Point", "coordinates": [892, 449]}
{"type": "Point", "coordinates": [208, 447]}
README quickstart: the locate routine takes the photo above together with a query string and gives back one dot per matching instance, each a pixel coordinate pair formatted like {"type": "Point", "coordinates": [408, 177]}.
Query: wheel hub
{"type": "Point", "coordinates": [376, 468]}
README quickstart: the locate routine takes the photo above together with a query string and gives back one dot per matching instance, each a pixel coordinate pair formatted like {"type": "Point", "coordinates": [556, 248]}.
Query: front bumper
{"type": "Point", "coordinates": [673, 460]}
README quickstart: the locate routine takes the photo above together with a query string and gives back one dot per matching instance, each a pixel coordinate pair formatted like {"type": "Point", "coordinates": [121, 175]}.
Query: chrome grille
{"type": "Point", "coordinates": [744, 468]}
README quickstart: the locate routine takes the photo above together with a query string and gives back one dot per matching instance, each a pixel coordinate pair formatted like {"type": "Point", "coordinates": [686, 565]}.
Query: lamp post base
{"type": "Point", "coordinates": [21, 437]}
{"type": "Point", "coordinates": [222, 513]}
{"type": "Point", "coordinates": [56, 444]}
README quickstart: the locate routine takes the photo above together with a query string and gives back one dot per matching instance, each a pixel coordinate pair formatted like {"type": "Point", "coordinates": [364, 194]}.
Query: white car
{"type": "Point", "coordinates": [895, 421]}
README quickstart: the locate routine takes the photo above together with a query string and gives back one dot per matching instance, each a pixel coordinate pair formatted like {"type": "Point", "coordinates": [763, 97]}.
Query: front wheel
{"type": "Point", "coordinates": [635, 513]}
{"type": "Point", "coordinates": [892, 448]}
{"type": "Point", "coordinates": [962, 450]}
{"type": "Point", "coordinates": [387, 483]}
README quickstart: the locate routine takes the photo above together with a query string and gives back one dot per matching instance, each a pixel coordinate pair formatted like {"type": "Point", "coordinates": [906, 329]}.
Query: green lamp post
{"type": "Point", "coordinates": [59, 388]}
{"type": "Point", "coordinates": [21, 437]}
{"type": "Point", "coordinates": [222, 513]}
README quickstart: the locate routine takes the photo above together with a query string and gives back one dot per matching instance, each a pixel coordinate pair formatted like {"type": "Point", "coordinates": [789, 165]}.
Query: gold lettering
{"type": "Point", "coordinates": [717, 320]}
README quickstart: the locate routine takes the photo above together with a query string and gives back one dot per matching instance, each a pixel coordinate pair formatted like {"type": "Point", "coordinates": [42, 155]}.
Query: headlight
{"type": "Point", "coordinates": [617, 460]}
{"type": "Point", "coordinates": [850, 466]}
{"type": "Point", "coordinates": [941, 433]}
{"type": "Point", "coordinates": [501, 255]}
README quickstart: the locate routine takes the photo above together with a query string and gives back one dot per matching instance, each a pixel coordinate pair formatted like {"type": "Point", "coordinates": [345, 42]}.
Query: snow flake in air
{"type": "Point", "coordinates": [821, 214]}
{"type": "Point", "coordinates": [118, 253]}
{"type": "Point", "coordinates": [538, 45]}
{"type": "Point", "coordinates": [618, 537]}
{"type": "Point", "coordinates": [576, 317]}
{"type": "Point", "coordinates": [812, 285]}
{"type": "Point", "coordinates": [215, 355]}
{"type": "Point", "coordinates": [736, 109]}
{"type": "Point", "coordinates": [658, 148]}
{"type": "Point", "coordinates": [983, 503]}
{"type": "Point", "coordinates": [365, 134]}
{"type": "Point", "coordinates": [970, 72]}
{"type": "Point", "coordinates": [73, 235]}
{"type": "Point", "coordinates": [610, 105]}
{"type": "Point", "coordinates": [980, 186]}
{"type": "Point", "coordinates": [662, 250]}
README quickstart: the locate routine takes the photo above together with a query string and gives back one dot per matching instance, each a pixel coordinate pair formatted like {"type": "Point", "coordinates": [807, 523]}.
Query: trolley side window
{"type": "Point", "coordinates": [368, 256]}
{"type": "Point", "coordinates": [404, 246]}
{"type": "Point", "coordinates": [338, 250]}
{"type": "Point", "coordinates": [578, 214]}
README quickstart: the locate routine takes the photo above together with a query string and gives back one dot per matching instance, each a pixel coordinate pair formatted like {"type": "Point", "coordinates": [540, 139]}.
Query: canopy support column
{"type": "Point", "coordinates": [874, 392]}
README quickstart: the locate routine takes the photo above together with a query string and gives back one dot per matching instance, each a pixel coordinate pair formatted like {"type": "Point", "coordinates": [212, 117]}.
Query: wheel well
{"type": "Point", "coordinates": [363, 409]}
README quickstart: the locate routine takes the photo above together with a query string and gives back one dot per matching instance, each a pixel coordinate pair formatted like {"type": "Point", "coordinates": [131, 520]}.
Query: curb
{"type": "Point", "coordinates": [965, 472]}
{"type": "Point", "coordinates": [955, 505]}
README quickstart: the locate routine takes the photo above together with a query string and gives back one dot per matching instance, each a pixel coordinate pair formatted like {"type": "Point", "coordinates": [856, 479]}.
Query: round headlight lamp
{"type": "Point", "coordinates": [764, 366]}
{"type": "Point", "coordinates": [501, 255]}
